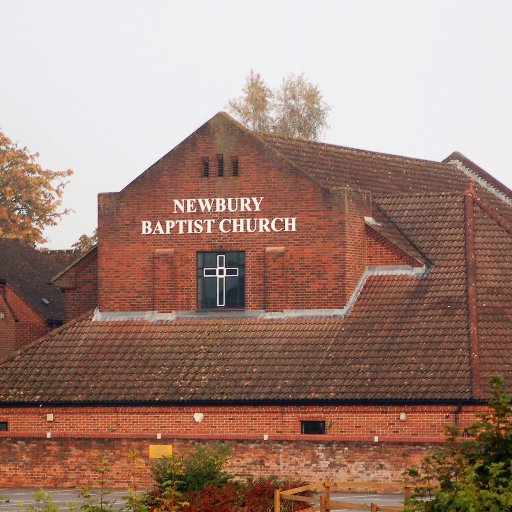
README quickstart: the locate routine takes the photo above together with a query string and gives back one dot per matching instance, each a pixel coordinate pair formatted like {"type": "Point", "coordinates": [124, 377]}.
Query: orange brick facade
{"type": "Point", "coordinates": [67, 463]}
{"type": "Point", "coordinates": [265, 440]}
{"type": "Point", "coordinates": [316, 266]}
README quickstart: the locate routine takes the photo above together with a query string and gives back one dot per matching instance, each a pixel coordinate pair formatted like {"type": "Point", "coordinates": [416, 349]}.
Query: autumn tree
{"type": "Point", "coordinates": [295, 110]}
{"type": "Point", "coordinates": [253, 108]}
{"type": "Point", "coordinates": [30, 196]}
{"type": "Point", "coordinates": [86, 242]}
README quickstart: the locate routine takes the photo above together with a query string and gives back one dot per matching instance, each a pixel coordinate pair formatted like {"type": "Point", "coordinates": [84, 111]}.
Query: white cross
{"type": "Point", "coordinates": [220, 273]}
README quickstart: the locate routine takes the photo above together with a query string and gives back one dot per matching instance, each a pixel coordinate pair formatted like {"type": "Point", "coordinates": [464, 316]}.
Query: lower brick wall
{"type": "Point", "coordinates": [60, 446]}
{"type": "Point", "coordinates": [68, 463]}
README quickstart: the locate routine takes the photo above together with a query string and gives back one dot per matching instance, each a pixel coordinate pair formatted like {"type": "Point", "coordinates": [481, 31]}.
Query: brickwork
{"type": "Point", "coordinates": [80, 285]}
{"type": "Point", "coordinates": [383, 252]}
{"type": "Point", "coordinates": [322, 260]}
{"type": "Point", "coordinates": [421, 423]}
{"type": "Point", "coordinates": [67, 463]}
{"type": "Point", "coordinates": [20, 324]}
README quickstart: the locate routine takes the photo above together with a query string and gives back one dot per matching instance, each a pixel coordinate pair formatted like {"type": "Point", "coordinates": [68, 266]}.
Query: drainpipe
{"type": "Point", "coordinates": [3, 282]}
{"type": "Point", "coordinates": [456, 414]}
{"type": "Point", "coordinates": [471, 289]}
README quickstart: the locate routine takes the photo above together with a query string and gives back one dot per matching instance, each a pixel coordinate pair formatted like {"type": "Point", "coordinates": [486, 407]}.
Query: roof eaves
{"type": "Point", "coordinates": [426, 261]}
{"type": "Point", "coordinates": [254, 401]}
{"type": "Point", "coordinates": [481, 177]}
{"type": "Point", "coordinates": [17, 292]}
{"type": "Point", "coordinates": [73, 263]}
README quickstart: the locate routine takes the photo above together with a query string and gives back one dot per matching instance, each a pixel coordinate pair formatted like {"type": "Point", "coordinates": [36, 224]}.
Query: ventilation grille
{"type": "Point", "coordinates": [205, 167]}
{"type": "Point", "coordinates": [220, 165]}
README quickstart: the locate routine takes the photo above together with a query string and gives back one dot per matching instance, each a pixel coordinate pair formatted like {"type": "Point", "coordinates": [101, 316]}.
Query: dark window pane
{"type": "Point", "coordinates": [210, 293]}
{"type": "Point", "coordinates": [221, 280]}
{"type": "Point", "coordinates": [312, 427]}
{"type": "Point", "coordinates": [4, 426]}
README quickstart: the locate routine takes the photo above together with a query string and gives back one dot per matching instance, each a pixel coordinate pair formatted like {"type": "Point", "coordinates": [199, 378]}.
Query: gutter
{"type": "Point", "coordinates": [219, 403]}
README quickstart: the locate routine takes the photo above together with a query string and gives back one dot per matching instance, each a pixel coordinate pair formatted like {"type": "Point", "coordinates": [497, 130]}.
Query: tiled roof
{"type": "Point", "coordinates": [29, 271]}
{"type": "Point", "coordinates": [493, 251]}
{"type": "Point", "coordinates": [405, 339]}
{"type": "Point", "coordinates": [380, 173]}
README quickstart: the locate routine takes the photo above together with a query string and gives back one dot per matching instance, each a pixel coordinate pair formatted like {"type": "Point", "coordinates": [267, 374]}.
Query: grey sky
{"type": "Point", "coordinates": [107, 87]}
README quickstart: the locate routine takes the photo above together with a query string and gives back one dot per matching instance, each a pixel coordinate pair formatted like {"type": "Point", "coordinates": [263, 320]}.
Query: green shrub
{"type": "Point", "coordinates": [470, 475]}
{"type": "Point", "coordinates": [167, 472]}
{"type": "Point", "coordinates": [194, 470]}
{"type": "Point", "coordinates": [204, 466]}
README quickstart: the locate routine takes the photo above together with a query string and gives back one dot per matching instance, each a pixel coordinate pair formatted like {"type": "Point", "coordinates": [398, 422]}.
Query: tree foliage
{"type": "Point", "coordinates": [470, 475]}
{"type": "Point", "coordinates": [295, 110]}
{"type": "Point", "coordinates": [30, 195]}
{"type": "Point", "coordinates": [86, 242]}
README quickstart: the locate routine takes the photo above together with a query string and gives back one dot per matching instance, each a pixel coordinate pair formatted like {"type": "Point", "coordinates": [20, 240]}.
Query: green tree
{"type": "Point", "coordinates": [470, 475]}
{"type": "Point", "coordinates": [30, 196]}
{"type": "Point", "coordinates": [295, 110]}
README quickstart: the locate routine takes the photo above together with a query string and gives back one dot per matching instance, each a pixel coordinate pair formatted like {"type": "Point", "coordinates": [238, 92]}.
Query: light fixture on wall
{"type": "Point", "coordinates": [403, 416]}
{"type": "Point", "coordinates": [198, 417]}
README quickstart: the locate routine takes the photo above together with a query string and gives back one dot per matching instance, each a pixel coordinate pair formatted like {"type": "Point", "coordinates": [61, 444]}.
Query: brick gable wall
{"type": "Point", "coordinates": [81, 287]}
{"type": "Point", "coordinates": [317, 266]}
{"type": "Point", "coordinates": [29, 326]}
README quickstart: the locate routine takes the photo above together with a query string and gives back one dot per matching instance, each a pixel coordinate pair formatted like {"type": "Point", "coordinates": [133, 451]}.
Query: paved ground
{"type": "Point", "coordinates": [381, 499]}
{"type": "Point", "coordinates": [11, 498]}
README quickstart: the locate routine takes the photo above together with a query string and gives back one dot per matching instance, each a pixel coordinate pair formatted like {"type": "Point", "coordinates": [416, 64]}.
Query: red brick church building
{"type": "Point", "coordinates": [325, 310]}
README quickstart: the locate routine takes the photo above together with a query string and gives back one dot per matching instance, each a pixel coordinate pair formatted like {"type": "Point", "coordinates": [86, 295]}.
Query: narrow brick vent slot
{"type": "Point", "coordinates": [4, 426]}
{"type": "Point", "coordinates": [220, 165]}
{"type": "Point", "coordinates": [234, 161]}
{"type": "Point", "coordinates": [205, 166]}
{"type": "Point", "coordinates": [312, 427]}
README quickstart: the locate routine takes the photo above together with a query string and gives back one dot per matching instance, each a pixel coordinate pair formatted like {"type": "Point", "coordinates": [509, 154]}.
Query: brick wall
{"type": "Point", "coordinates": [265, 440]}
{"type": "Point", "coordinates": [28, 327]}
{"type": "Point", "coordinates": [422, 423]}
{"type": "Point", "coordinates": [80, 285]}
{"type": "Point", "coordinates": [67, 463]}
{"type": "Point", "coordinates": [383, 252]}
{"type": "Point", "coordinates": [316, 266]}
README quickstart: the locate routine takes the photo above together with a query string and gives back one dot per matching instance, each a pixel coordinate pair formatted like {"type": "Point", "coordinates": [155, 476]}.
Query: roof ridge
{"type": "Point", "coordinates": [390, 156]}
{"type": "Point", "coordinates": [457, 155]}
{"type": "Point", "coordinates": [417, 194]}
{"type": "Point", "coordinates": [481, 177]}
{"type": "Point", "coordinates": [499, 219]}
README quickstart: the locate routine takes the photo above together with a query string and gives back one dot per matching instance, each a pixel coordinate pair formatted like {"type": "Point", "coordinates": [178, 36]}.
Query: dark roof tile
{"type": "Point", "coordinates": [29, 272]}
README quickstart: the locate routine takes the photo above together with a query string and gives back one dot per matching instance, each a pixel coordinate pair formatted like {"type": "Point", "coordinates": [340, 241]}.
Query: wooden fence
{"type": "Point", "coordinates": [322, 502]}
